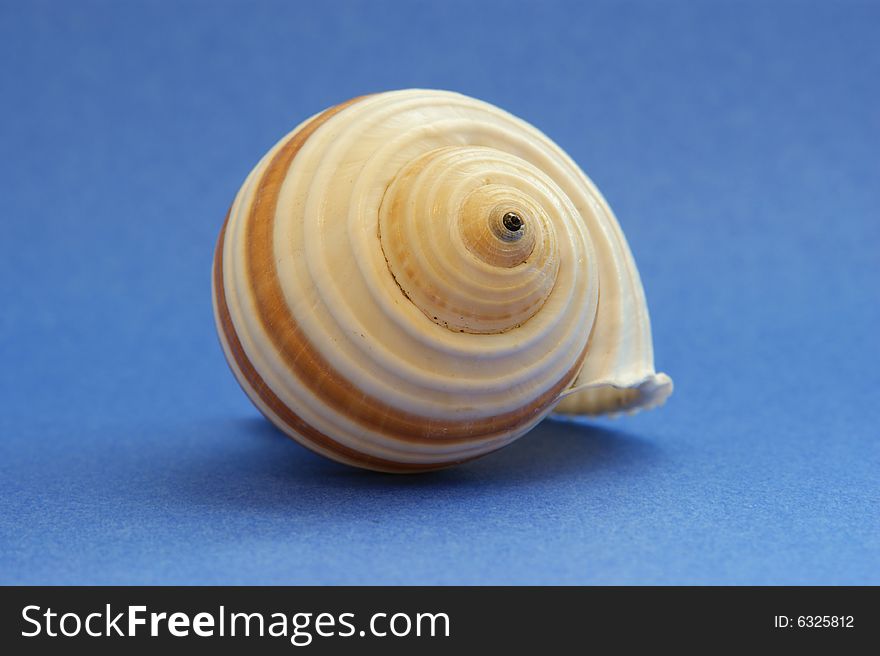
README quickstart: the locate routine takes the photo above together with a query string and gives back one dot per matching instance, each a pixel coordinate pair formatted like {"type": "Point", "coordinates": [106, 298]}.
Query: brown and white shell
{"type": "Point", "coordinates": [414, 279]}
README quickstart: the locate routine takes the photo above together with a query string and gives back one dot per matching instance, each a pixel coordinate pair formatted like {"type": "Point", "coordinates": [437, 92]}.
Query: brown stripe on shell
{"type": "Point", "coordinates": [253, 383]}
{"type": "Point", "coordinates": [312, 369]}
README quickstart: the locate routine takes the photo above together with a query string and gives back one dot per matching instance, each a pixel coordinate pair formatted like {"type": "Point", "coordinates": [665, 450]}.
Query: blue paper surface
{"type": "Point", "coordinates": [738, 144]}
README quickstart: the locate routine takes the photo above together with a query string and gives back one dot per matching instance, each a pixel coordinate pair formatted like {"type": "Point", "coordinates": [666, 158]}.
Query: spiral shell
{"type": "Point", "coordinates": [413, 279]}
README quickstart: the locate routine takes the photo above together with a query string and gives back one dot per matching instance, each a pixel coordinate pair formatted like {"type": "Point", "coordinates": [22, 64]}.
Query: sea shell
{"type": "Point", "coordinates": [414, 279]}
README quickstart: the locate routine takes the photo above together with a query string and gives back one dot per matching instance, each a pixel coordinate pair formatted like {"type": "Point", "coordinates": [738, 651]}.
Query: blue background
{"type": "Point", "coordinates": [738, 144]}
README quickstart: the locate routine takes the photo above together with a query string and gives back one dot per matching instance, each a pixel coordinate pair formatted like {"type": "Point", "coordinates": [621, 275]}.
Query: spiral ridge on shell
{"type": "Point", "coordinates": [413, 279]}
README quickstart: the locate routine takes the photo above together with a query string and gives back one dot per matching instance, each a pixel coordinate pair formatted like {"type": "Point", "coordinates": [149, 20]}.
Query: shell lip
{"type": "Point", "coordinates": [641, 393]}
